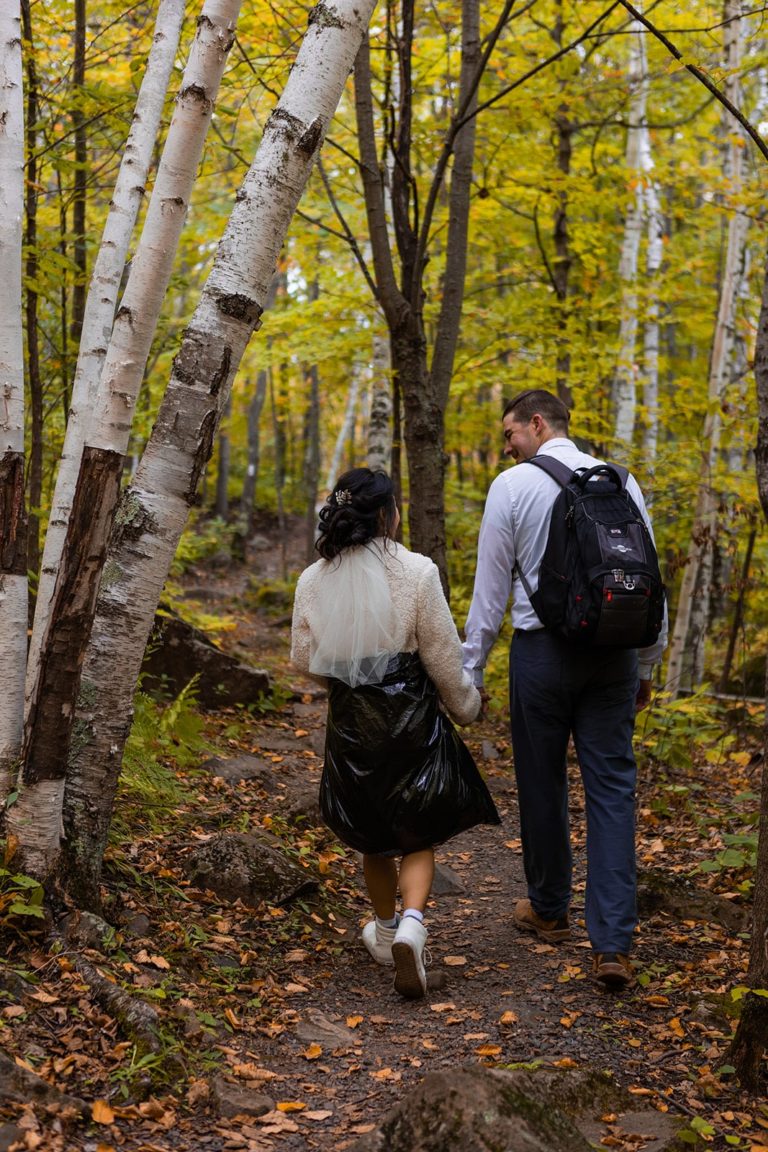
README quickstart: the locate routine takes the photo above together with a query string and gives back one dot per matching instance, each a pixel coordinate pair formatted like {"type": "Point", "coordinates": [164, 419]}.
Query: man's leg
{"type": "Point", "coordinates": [603, 725]}
{"type": "Point", "coordinates": [540, 720]}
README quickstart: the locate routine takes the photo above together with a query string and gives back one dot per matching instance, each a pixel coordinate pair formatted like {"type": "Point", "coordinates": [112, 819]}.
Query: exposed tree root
{"type": "Point", "coordinates": [138, 1020]}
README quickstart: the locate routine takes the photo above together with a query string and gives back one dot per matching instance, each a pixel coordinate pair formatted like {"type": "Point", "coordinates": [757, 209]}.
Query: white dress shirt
{"type": "Point", "coordinates": [513, 532]}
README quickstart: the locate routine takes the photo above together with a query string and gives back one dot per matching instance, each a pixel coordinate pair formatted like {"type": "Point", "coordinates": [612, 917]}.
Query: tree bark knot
{"type": "Point", "coordinates": [311, 137]}
{"type": "Point", "coordinates": [198, 94]}
{"type": "Point", "coordinates": [239, 307]}
{"type": "Point", "coordinates": [323, 16]}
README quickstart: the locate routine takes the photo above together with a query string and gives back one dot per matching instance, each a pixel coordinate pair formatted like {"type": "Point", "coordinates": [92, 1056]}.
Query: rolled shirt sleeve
{"type": "Point", "coordinates": [493, 580]}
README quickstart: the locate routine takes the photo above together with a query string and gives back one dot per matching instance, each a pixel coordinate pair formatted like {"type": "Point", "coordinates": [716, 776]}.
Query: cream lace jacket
{"type": "Point", "coordinates": [424, 624]}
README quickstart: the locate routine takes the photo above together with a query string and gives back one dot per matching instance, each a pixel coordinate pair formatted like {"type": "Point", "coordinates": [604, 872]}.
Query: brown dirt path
{"type": "Point", "coordinates": [292, 1006]}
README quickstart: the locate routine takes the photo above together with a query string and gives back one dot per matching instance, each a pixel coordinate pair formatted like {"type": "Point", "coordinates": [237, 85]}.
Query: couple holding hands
{"type": "Point", "coordinates": [371, 621]}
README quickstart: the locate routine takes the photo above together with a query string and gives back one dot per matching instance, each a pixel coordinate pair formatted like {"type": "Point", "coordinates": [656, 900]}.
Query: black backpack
{"type": "Point", "coordinates": [599, 581]}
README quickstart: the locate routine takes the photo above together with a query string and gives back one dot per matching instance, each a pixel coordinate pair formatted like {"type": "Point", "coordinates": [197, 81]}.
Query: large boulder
{"type": "Point", "coordinates": [177, 651]}
{"type": "Point", "coordinates": [248, 866]}
{"type": "Point", "coordinates": [479, 1109]}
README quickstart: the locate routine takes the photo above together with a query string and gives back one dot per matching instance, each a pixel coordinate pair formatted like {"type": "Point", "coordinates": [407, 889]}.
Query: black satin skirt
{"type": "Point", "coordinates": [397, 777]}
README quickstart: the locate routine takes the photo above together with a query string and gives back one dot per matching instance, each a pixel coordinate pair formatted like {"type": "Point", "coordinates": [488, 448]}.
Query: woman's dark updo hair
{"type": "Point", "coordinates": [361, 506]}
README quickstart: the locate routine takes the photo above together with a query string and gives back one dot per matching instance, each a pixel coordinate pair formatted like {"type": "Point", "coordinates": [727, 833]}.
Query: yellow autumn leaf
{"type": "Point", "coordinates": [488, 1050]}
{"type": "Point", "coordinates": [312, 1052]}
{"type": "Point", "coordinates": [353, 1021]}
{"type": "Point", "coordinates": [102, 1113]}
{"type": "Point", "coordinates": [454, 961]}
{"type": "Point", "coordinates": [290, 1106]}
{"type": "Point", "coordinates": [508, 1017]}
{"type": "Point", "coordinates": [231, 1017]}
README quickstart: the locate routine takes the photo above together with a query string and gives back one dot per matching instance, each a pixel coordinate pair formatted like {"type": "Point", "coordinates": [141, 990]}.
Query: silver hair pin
{"type": "Point", "coordinates": [343, 496]}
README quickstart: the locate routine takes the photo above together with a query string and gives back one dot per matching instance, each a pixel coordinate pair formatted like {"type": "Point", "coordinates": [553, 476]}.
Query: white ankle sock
{"type": "Point", "coordinates": [393, 923]}
{"type": "Point", "coordinates": [414, 912]}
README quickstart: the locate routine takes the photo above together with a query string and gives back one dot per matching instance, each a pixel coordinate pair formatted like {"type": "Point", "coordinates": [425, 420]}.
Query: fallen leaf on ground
{"type": "Point", "coordinates": [454, 961]}
{"type": "Point", "coordinates": [101, 1112]}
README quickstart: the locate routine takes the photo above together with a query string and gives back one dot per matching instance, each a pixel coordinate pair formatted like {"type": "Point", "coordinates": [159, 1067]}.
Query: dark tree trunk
{"type": "Point", "coordinates": [751, 1039]}
{"type": "Point", "coordinates": [49, 727]}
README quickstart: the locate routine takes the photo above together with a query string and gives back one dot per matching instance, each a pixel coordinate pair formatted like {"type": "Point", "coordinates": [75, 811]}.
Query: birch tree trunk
{"type": "Point", "coordinates": [380, 419]}
{"type": "Point", "coordinates": [31, 300]}
{"type": "Point", "coordinates": [346, 431]}
{"type": "Point", "coordinates": [56, 679]}
{"type": "Point", "coordinates": [155, 507]}
{"type": "Point", "coordinates": [561, 269]}
{"type": "Point", "coordinates": [222, 472]}
{"type": "Point", "coordinates": [255, 406]}
{"type": "Point", "coordinates": [101, 302]}
{"type": "Point", "coordinates": [705, 515]}
{"type": "Point", "coordinates": [312, 462]}
{"type": "Point", "coordinates": [13, 523]}
{"type": "Point", "coordinates": [653, 257]}
{"type": "Point", "coordinates": [625, 380]}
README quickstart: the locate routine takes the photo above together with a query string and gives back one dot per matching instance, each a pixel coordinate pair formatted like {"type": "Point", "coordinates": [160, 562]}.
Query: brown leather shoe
{"type": "Point", "coordinates": [613, 969]}
{"type": "Point", "coordinates": [527, 920]}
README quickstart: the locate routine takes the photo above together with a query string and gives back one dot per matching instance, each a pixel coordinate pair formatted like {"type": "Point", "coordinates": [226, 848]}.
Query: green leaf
{"type": "Point", "coordinates": [17, 909]}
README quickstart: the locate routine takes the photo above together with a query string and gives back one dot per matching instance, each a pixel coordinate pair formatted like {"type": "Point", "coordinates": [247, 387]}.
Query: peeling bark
{"type": "Point", "coordinates": [164, 484]}
{"type": "Point", "coordinates": [127, 198]}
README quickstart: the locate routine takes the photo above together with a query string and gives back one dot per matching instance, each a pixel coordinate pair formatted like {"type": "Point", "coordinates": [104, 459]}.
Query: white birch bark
{"type": "Point", "coordinates": [13, 567]}
{"type": "Point", "coordinates": [155, 509]}
{"type": "Point", "coordinates": [705, 519]}
{"type": "Point", "coordinates": [152, 265]}
{"type": "Point", "coordinates": [380, 418]}
{"type": "Point", "coordinates": [100, 305]}
{"type": "Point", "coordinates": [625, 381]}
{"type": "Point", "coordinates": [346, 430]}
{"type": "Point", "coordinates": [653, 257]}
{"type": "Point", "coordinates": [110, 422]}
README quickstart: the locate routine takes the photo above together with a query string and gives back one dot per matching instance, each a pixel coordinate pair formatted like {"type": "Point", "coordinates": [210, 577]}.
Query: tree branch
{"type": "Point", "coordinates": [465, 113]}
{"type": "Point", "coordinates": [346, 232]}
{"type": "Point", "coordinates": [701, 77]}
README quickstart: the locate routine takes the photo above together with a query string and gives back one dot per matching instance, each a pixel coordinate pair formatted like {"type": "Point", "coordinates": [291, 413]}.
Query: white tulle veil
{"type": "Point", "coordinates": [353, 622]}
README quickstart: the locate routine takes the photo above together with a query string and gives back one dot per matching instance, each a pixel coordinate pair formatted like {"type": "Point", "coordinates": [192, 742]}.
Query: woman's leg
{"type": "Point", "coordinates": [417, 871]}
{"type": "Point", "coordinates": [381, 880]}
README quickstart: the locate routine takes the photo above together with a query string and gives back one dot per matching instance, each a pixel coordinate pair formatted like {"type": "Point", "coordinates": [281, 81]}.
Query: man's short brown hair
{"type": "Point", "coordinates": [527, 404]}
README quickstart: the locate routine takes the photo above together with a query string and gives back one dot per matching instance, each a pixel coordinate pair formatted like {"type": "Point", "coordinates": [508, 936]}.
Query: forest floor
{"type": "Point", "coordinates": [282, 1002]}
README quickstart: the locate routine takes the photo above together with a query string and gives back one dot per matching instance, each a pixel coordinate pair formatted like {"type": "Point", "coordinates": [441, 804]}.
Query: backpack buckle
{"type": "Point", "coordinates": [622, 577]}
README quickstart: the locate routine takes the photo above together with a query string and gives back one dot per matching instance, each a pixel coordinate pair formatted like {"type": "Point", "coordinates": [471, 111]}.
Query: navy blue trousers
{"type": "Point", "coordinates": [556, 691]}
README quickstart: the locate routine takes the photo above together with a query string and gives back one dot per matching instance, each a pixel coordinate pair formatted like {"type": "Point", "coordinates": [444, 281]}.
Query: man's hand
{"type": "Point", "coordinates": [643, 698]}
{"type": "Point", "coordinates": [485, 700]}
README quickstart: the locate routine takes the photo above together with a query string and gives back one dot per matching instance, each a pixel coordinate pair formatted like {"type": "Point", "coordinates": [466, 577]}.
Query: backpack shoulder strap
{"type": "Point", "coordinates": [554, 468]}
{"type": "Point", "coordinates": [563, 475]}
